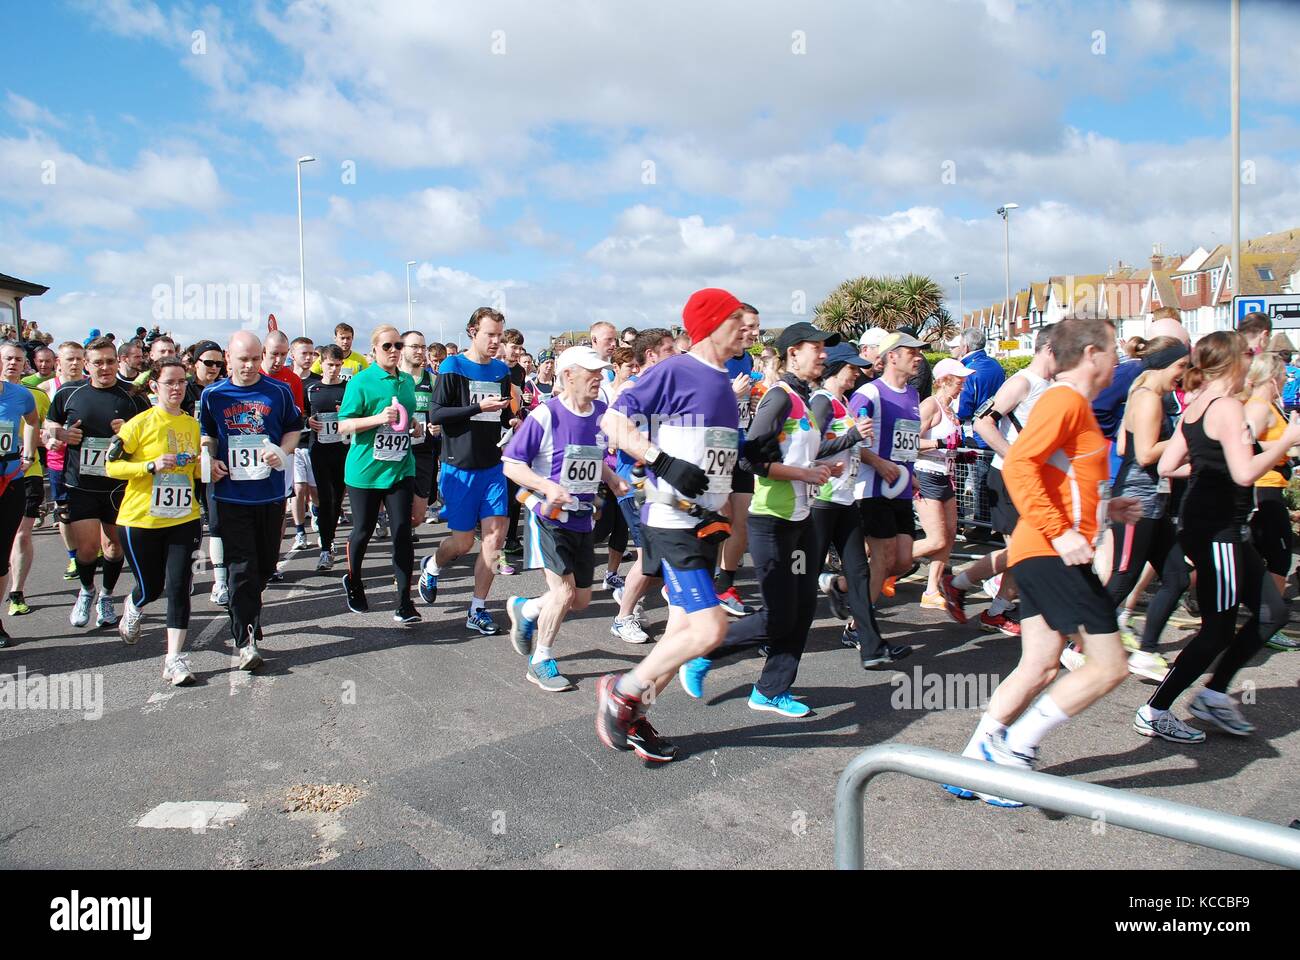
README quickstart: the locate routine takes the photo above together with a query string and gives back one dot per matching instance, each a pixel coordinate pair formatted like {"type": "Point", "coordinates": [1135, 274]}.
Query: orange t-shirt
{"type": "Point", "coordinates": [1054, 472]}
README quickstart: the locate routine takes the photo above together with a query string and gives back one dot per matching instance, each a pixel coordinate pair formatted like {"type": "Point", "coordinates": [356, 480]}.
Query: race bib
{"type": "Point", "coordinates": [8, 438]}
{"type": "Point", "coordinates": [720, 455]}
{"type": "Point", "coordinates": [345, 374]}
{"type": "Point", "coordinates": [94, 456]}
{"type": "Point", "coordinates": [580, 469]}
{"type": "Point", "coordinates": [329, 428]}
{"type": "Point", "coordinates": [244, 458]}
{"type": "Point", "coordinates": [906, 441]}
{"type": "Point", "coordinates": [421, 413]}
{"type": "Point", "coordinates": [746, 415]}
{"type": "Point", "coordinates": [480, 390]}
{"type": "Point", "coordinates": [391, 446]}
{"type": "Point", "coordinates": [172, 496]}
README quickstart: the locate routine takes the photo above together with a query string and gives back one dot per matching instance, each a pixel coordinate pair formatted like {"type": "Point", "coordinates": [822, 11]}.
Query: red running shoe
{"type": "Point", "coordinates": [1000, 623]}
{"type": "Point", "coordinates": [954, 599]}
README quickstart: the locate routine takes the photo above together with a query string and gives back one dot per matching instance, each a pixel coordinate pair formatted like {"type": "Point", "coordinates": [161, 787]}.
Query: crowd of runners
{"type": "Point", "coordinates": [676, 461]}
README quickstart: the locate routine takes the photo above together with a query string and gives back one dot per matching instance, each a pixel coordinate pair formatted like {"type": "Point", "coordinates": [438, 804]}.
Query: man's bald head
{"type": "Point", "coordinates": [1168, 327]}
{"type": "Point", "coordinates": [243, 358]}
{"type": "Point", "coordinates": [275, 338]}
{"type": "Point", "coordinates": [245, 340]}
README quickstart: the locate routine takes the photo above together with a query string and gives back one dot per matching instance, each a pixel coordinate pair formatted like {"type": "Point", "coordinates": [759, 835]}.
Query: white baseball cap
{"type": "Point", "coordinates": [872, 336]}
{"type": "Point", "coordinates": [584, 357]}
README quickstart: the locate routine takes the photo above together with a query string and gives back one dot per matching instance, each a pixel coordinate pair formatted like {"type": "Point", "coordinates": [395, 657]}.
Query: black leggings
{"type": "Point", "coordinates": [161, 560]}
{"type": "Point", "coordinates": [1153, 541]}
{"type": "Point", "coordinates": [12, 504]}
{"type": "Point", "coordinates": [784, 559]}
{"type": "Point", "coordinates": [365, 513]}
{"type": "Point", "coordinates": [611, 524]}
{"type": "Point", "coordinates": [841, 525]}
{"type": "Point", "coordinates": [1270, 530]}
{"type": "Point", "coordinates": [327, 461]}
{"type": "Point", "coordinates": [1227, 575]}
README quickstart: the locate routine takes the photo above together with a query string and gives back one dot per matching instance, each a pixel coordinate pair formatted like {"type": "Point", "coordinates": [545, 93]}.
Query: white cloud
{"type": "Point", "coordinates": [29, 113]}
{"type": "Point", "coordinates": [434, 220]}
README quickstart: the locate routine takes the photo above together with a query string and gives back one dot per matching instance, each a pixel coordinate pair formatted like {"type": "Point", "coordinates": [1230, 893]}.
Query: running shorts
{"type": "Point", "coordinates": [425, 464]}
{"type": "Point", "coordinates": [560, 550]}
{"type": "Point", "coordinates": [1067, 597]}
{"type": "Point", "coordinates": [101, 505]}
{"type": "Point", "coordinates": [742, 481]}
{"type": "Point", "coordinates": [302, 472]}
{"type": "Point", "coordinates": [934, 486]}
{"type": "Point", "coordinates": [884, 518]}
{"type": "Point", "coordinates": [1002, 511]}
{"type": "Point", "coordinates": [471, 495]}
{"type": "Point", "coordinates": [690, 560]}
{"type": "Point", "coordinates": [632, 517]}
{"type": "Point", "coordinates": [35, 496]}
{"type": "Point", "coordinates": [58, 492]}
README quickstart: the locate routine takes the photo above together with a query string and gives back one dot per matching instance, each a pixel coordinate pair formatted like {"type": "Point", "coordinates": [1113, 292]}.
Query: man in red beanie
{"type": "Point", "coordinates": [680, 419]}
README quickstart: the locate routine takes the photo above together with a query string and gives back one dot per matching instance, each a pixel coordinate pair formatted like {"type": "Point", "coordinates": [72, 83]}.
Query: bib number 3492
{"type": "Point", "coordinates": [390, 445]}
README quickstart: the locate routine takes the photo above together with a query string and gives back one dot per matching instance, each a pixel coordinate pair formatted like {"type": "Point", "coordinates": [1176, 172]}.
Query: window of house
{"type": "Point", "coordinates": [7, 315]}
{"type": "Point", "coordinates": [1265, 273]}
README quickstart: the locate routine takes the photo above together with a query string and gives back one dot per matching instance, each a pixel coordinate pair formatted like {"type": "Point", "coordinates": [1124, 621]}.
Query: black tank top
{"type": "Point", "coordinates": [1215, 507]}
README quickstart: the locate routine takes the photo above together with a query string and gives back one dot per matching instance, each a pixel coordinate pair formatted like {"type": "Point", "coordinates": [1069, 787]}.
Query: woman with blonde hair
{"type": "Point", "coordinates": [1270, 527]}
{"type": "Point", "coordinates": [936, 499]}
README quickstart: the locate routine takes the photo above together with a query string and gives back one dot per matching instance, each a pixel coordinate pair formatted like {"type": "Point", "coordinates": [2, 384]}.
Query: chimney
{"type": "Point", "coordinates": [1156, 257]}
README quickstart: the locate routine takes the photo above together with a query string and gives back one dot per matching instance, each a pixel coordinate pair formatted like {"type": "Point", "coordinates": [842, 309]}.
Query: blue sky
{"type": "Point", "coordinates": [513, 170]}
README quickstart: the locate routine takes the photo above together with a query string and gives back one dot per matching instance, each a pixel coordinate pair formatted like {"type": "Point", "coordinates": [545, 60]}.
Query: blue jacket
{"type": "Point", "coordinates": [1291, 392]}
{"type": "Point", "coordinates": [1109, 405]}
{"type": "Point", "coordinates": [979, 386]}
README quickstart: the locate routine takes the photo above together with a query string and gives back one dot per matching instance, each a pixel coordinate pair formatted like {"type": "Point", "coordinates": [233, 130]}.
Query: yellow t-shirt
{"type": "Point", "coordinates": [42, 408]}
{"type": "Point", "coordinates": [167, 498]}
{"type": "Point", "coordinates": [354, 363]}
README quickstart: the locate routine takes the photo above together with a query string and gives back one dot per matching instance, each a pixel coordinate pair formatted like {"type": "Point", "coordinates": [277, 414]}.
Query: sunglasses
{"type": "Point", "coordinates": [213, 363]}
{"type": "Point", "coordinates": [395, 345]}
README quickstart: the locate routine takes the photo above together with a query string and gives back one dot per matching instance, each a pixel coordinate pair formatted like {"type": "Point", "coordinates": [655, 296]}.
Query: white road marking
{"type": "Point", "coordinates": [156, 702]}
{"type": "Point", "coordinates": [196, 815]}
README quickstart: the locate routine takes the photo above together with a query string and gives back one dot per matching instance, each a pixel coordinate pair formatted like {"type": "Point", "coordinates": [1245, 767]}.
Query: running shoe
{"type": "Point", "coordinates": [961, 793]}
{"type": "Point", "coordinates": [1149, 664]}
{"type": "Point", "coordinates": [176, 670]}
{"type": "Point", "coordinates": [692, 674]}
{"type": "Point", "coordinates": [355, 593]}
{"type": "Point", "coordinates": [1223, 714]}
{"type": "Point", "coordinates": [995, 750]}
{"type": "Point", "coordinates": [381, 529]}
{"type": "Point", "coordinates": [428, 583]}
{"type": "Point", "coordinates": [250, 658]}
{"type": "Point", "coordinates": [71, 572]}
{"type": "Point", "coordinates": [299, 543]}
{"type": "Point", "coordinates": [105, 615]}
{"type": "Point", "coordinates": [730, 601]}
{"type": "Point", "coordinates": [1164, 725]}
{"type": "Point", "coordinates": [999, 623]}
{"type": "Point", "coordinates": [503, 567]}
{"type": "Point", "coordinates": [887, 654]}
{"type": "Point", "coordinates": [783, 703]}
{"type": "Point", "coordinates": [4, 638]}
{"type": "Point", "coordinates": [481, 621]}
{"type": "Point", "coordinates": [18, 605]}
{"type": "Point", "coordinates": [615, 713]}
{"type": "Point", "coordinates": [277, 575]}
{"type": "Point", "coordinates": [849, 637]}
{"type": "Point", "coordinates": [547, 676]}
{"type": "Point", "coordinates": [325, 562]}
{"type": "Point", "coordinates": [81, 608]}
{"type": "Point", "coordinates": [220, 594]}
{"type": "Point", "coordinates": [837, 597]}
{"type": "Point", "coordinates": [647, 744]}
{"type": "Point", "coordinates": [132, 619]}
{"type": "Point", "coordinates": [522, 630]}
{"type": "Point", "coordinates": [889, 587]}
{"type": "Point", "coordinates": [1072, 658]}
{"type": "Point", "coordinates": [933, 601]}
{"type": "Point", "coordinates": [1279, 640]}
{"type": "Point", "coordinates": [833, 562]}
{"type": "Point", "coordinates": [629, 630]}
{"type": "Point", "coordinates": [407, 614]}
{"type": "Point", "coordinates": [615, 584]}
{"type": "Point", "coordinates": [954, 599]}
{"type": "Point", "coordinates": [1130, 640]}
{"type": "Point", "coordinates": [514, 547]}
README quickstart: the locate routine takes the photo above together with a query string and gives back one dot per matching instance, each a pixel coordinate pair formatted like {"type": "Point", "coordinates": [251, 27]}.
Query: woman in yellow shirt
{"type": "Point", "coordinates": [157, 452]}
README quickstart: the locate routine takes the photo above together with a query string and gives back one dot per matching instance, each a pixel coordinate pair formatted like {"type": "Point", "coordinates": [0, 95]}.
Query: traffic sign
{"type": "Point", "coordinates": [1282, 308]}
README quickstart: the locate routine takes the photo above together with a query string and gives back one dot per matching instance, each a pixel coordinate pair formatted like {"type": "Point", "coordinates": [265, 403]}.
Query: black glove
{"type": "Point", "coordinates": [685, 476]}
{"type": "Point", "coordinates": [761, 451]}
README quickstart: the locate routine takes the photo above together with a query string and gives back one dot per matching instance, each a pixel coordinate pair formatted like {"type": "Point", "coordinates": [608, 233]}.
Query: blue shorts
{"type": "Point", "coordinates": [692, 590]}
{"type": "Point", "coordinates": [58, 492]}
{"type": "Point", "coordinates": [632, 517]}
{"type": "Point", "coordinates": [471, 495]}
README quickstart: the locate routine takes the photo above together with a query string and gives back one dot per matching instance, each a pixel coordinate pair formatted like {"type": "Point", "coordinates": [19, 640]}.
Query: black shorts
{"type": "Point", "coordinates": [1067, 597]}
{"type": "Point", "coordinates": [35, 496]}
{"type": "Point", "coordinates": [742, 481]}
{"type": "Point", "coordinates": [934, 486]}
{"type": "Point", "coordinates": [101, 505]}
{"type": "Point", "coordinates": [560, 550]}
{"type": "Point", "coordinates": [1270, 530]}
{"type": "Point", "coordinates": [1003, 512]}
{"type": "Point", "coordinates": [631, 517]}
{"type": "Point", "coordinates": [682, 549]}
{"type": "Point", "coordinates": [884, 518]}
{"type": "Point", "coordinates": [425, 466]}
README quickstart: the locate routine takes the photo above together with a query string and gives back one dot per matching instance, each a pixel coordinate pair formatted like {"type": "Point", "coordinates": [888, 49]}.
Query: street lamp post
{"type": "Point", "coordinates": [1235, 31]}
{"type": "Point", "coordinates": [410, 324]}
{"type": "Point", "coordinates": [961, 312]}
{"type": "Point", "coordinates": [302, 266]}
{"type": "Point", "coordinates": [1004, 212]}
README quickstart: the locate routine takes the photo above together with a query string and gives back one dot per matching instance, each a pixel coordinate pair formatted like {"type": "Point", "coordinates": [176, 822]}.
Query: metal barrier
{"type": "Point", "coordinates": [972, 495]}
{"type": "Point", "coordinates": [1122, 808]}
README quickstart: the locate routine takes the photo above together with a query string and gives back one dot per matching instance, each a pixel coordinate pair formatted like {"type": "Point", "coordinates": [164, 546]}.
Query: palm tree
{"type": "Point", "coordinates": [885, 302]}
{"type": "Point", "coordinates": [939, 328]}
{"type": "Point", "coordinates": [919, 298]}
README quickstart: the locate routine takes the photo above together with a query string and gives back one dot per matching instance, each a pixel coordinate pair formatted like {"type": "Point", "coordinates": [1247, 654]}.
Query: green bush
{"type": "Point", "coordinates": [1012, 365]}
{"type": "Point", "coordinates": [933, 358]}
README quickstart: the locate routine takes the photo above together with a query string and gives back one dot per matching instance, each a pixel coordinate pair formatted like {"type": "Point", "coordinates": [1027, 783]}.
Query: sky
{"type": "Point", "coordinates": [599, 160]}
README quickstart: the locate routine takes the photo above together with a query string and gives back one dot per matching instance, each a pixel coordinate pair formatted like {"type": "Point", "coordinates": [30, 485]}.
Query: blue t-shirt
{"type": "Point", "coordinates": [16, 401]}
{"type": "Point", "coordinates": [238, 417]}
{"type": "Point", "coordinates": [1291, 391]}
{"type": "Point", "coordinates": [735, 367]}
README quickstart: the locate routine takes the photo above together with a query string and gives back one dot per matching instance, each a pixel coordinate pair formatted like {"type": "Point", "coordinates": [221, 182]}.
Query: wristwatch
{"type": "Point", "coordinates": [151, 467]}
{"type": "Point", "coordinates": [651, 454]}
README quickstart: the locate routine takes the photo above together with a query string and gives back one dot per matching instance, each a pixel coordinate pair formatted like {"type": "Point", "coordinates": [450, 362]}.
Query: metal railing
{"type": "Point", "coordinates": [1122, 808]}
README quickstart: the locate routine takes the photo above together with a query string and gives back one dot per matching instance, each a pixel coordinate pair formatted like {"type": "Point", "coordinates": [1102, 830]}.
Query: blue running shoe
{"type": "Point", "coordinates": [522, 630]}
{"type": "Point", "coordinates": [782, 703]}
{"type": "Point", "coordinates": [995, 750]}
{"type": "Point", "coordinates": [961, 793]}
{"type": "Point", "coordinates": [481, 621]}
{"type": "Point", "coordinates": [692, 674]}
{"type": "Point", "coordinates": [428, 583]}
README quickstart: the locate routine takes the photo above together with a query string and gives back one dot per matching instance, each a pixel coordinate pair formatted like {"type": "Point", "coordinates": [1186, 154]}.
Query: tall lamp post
{"type": "Point", "coordinates": [1235, 31]}
{"type": "Point", "coordinates": [410, 324]}
{"type": "Point", "coordinates": [1004, 212]}
{"type": "Point", "coordinates": [302, 267]}
{"type": "Point", "coordinates": [961, 312]}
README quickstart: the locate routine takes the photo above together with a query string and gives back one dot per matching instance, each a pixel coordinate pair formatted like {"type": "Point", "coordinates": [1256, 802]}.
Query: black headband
{"type": "Point", "coordinates": [1167, 356]}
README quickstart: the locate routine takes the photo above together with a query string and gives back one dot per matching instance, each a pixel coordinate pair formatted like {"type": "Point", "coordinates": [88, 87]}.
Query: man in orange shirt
{"type": "Point", "coordinates": [1057, 473]}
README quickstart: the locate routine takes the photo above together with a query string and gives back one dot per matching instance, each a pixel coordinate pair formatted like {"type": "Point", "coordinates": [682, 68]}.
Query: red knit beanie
{"type": "Point", "coordinates": [705, 311]}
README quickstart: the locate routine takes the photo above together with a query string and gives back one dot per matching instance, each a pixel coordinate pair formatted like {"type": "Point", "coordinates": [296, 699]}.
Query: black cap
{"type": "Point", "coordinates": [842, 353]}
{"type": "Point", "coordinates": [803, 332]}
{"type": "Point", "coordinates": [203, 346]}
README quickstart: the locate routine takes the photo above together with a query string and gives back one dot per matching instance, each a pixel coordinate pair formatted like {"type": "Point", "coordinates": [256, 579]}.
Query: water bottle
{"type": "Point", "coordinates": [205, 466]}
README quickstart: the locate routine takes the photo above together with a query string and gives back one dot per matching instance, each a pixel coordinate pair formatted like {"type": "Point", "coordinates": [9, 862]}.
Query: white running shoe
{"type": "Point", "coordinates": [81, 609]}
{"type": "Point", "coordinates": [132, 619]}
{"type": "Point", "coordinates": [1146, 663]}
{"type": "Point", "coordinates": [629, 630]}
{"type": "Point", "coordinates": [995, 750]}
{"type": "Point", "coordinates": [176, 670]}
{"type": "Point", "coordinates": [1223, 714]}
{"type": "Point", "coordinates": [299, 543]}
{"type": "Point", "coordinates": [1072, 659]}
{"type": "Point", "coordinates": [220, 594]}
{"type": "Point", "coordinates": [1165, 726]}
{"type": "Point", "coordinates": [105, 615]}
{"type": "Point", "coordinates": [250, 658]}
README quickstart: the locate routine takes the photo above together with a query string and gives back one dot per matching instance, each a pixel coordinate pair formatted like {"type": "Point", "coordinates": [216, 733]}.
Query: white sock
{"type": "Point", "coordinates": [533, 608]}
{"type": "Point", "coordinates": [1153, 712]}
{"type": "Point", "coordinates": [431, 566]}
{"type": "Point", "coordinates": [1042, 717]}
{"type": "Point", "coordinates": [541, 654]}
{"type": "Point", "coordinates": [999, 606]}
{"type": "Point", "coordinates": [477, 604]}
{"type": "Point", "coordinates": [1122, 617]}
{"type": "Point", "coordinates": [219, 572]}
{"type": "Point", "coordinates": [629, 686]}
{"type": "Point", "coordinates": [987, 725]}
{"type": "Point", "coordinates": [962, 582]}
{"type": "Point", "coordinates": [1215, 697]}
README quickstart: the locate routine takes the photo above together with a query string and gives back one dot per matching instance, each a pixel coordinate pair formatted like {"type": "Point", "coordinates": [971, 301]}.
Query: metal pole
{"type": "Point", "coordinates": [1243, 836]}
{"type": "Point", "coordinates": [1007, 221]}
{"type": "Point", "coordinates": [302, 263]}
{"type": "Point", "coordinates": [409, 323]}
{"type": "Point", "coordinates": [1237, 282]}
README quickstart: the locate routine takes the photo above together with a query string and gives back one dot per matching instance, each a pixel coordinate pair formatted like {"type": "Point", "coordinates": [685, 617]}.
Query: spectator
{"type": "Point", "coordinates": [924, 379]}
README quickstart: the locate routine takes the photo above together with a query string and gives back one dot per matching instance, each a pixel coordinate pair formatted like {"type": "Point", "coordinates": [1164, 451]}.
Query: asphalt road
{"type": "Point", "coordinates": [457, 761]}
